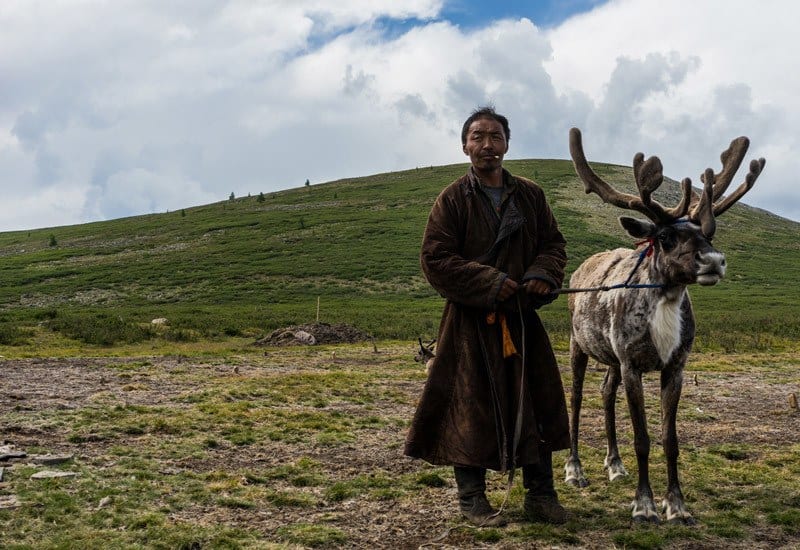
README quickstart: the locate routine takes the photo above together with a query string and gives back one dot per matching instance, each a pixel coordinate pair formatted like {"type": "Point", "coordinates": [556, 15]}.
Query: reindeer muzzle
{"type": "Point", "coordinates": [711, 268]}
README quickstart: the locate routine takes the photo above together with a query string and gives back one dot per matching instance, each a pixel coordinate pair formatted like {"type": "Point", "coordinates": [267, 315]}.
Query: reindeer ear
{"type": "Point", "coordinates": [640, 229]}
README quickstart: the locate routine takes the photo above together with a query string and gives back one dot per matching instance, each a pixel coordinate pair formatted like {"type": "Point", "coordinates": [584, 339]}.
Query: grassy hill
{"type": "Point", "coordinates": [246, 266]}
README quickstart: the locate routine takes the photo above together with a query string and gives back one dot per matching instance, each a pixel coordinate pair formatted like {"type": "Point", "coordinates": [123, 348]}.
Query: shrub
{"type": "Point", "coordinates": [12, 335]}
{"type": "Point", "coordinates": [46, 314]}
{"type": "Point", "coordinates": [181, 335]}
{"type": "Point", "coordinates": [102, 329]}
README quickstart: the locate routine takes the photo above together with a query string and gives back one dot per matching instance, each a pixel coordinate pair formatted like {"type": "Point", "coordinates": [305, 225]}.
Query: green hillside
{"type": "Point", "coordinates": [243, 267]}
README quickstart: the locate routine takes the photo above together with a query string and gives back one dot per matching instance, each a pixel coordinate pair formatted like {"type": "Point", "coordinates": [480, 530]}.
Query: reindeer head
{"type": "Point", "coordinates": [425, 352]}
{"type": "Point", "coordinates": [680, 236]}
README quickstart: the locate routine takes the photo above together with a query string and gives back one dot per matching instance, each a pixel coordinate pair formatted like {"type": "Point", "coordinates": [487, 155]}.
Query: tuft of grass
{"type": "Point", "coordinates": [292, 499]}
{"type": "Point", "coordinates": [315, 536]}
{"type": "Point", "coordinates": [640, 539]}
{"type": "Point", "coordinates": [731, 451]}
{"type": "Point", "coordinates": [788, 520]}
{"type": "Point", "coordinates": [340, 491]}
{"type": "Point", "coordinates": [234, 502]}
{"type": "Point", "coordinates": [431, 479]}
{"type": "Point", "coordinates": [489, 535]}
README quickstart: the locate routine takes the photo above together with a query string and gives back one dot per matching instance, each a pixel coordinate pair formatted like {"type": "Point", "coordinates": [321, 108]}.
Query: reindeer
{"type": "Point", "coordinates": [426, 354]}
{"type": "Point", "coordinates": [645, 321]}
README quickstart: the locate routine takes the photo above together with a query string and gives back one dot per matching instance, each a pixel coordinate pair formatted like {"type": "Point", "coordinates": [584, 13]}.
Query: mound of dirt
{"type": "Point", "coordinates": [314, 333]}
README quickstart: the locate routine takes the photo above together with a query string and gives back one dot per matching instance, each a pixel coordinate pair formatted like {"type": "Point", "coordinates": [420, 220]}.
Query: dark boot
{"type": "Point", "coordinates": [472, 497]}
{"type": "Point", "coordinates": [541, 500]}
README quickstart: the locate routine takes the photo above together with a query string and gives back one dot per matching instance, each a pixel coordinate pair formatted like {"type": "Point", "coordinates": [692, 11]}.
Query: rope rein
{"type": "Point", "coordinates": [648, 251]}
{"type": "Point", "coordinates": [645, 253]}
{"type": "Point", "coordinates": [512, 467]}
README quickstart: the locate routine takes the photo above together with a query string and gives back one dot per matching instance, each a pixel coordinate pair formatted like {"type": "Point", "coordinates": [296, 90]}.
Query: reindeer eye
{"type": "Point", "coordinates": [667, 240]}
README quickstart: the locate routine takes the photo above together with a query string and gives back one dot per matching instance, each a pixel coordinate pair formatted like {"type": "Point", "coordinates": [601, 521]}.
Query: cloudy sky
{"type": "Point", "coordinates": [126, 107]}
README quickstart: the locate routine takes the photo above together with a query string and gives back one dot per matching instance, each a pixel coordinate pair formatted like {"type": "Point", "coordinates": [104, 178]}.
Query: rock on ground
{"type": "Point", "coordinates": [321, 333]}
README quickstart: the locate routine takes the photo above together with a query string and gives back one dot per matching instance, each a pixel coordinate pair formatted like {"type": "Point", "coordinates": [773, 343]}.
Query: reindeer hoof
{"type": "Point", "coordinates": [644, 511]}
{"type": "Point", "coordinates": [613, 476]}
{"type": "Point", "coordinates": [577, 482]}
{"type": "Point", "coordinates": [676, 511]}
{"type": "Point", "coordinates": [574, 475]}
{"type": "Point", "coordinates": [615, 469]}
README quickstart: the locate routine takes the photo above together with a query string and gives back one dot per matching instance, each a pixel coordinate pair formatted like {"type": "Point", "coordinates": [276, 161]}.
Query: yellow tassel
{"type": "Point", "coordinates": [509, 349]}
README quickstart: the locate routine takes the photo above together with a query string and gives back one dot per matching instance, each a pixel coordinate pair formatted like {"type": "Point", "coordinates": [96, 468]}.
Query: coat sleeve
{"type": "Point", "coordinates": [551, 258]}
{"type": "Point", "coordinates": [456, 278]}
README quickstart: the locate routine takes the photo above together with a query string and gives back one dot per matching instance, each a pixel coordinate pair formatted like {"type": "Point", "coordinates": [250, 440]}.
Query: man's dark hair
{"type": "Point", "coordinates": [485, 112]}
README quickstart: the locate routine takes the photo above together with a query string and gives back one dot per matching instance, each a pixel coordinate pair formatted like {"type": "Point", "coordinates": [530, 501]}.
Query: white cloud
{"type": "Point", "coordinates": [133, 107]}
{"type": "Point", "coordinates": [726, 75]}
{"type": "Point", "coordinates": [50, 207]}
{"type": "Point", "coordinates": [144, 191]}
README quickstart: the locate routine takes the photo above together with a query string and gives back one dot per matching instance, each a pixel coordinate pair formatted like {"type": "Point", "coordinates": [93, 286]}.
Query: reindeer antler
{"type": "Point", "coordinates": [708, 206]}
{"type": "Point", "coordinates": [649, 176]}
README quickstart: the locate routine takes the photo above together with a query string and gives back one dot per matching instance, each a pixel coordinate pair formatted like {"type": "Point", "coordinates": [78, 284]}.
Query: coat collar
{"type": "Point", "coordinates": [509, 182]}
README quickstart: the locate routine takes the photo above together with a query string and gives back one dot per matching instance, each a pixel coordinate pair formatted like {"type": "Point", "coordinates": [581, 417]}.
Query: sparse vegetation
{"type": "Point", "coordinates": [187, 436]}
{"type": "Point", "coordinates": [247, 267]}
{"type": "Point", "coordinates": [101, 328]}
{"type": "Point", "coordinates": [224, 450]}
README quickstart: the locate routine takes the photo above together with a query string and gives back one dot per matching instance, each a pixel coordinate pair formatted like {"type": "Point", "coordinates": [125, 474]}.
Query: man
{"type": "Point", "coordinates": [494, 397]}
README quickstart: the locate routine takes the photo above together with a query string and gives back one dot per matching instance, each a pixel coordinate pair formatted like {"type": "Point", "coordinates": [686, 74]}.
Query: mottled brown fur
{"type": "Point", "coordinates": [639, 330]}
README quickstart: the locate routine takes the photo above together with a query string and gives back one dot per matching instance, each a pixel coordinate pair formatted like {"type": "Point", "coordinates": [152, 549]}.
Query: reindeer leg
{"type": "Point", "coordinates": [573, 468]}
{"type": "Point", "coordinates": [644, 509]}
{"type": "Point", "coordinates": [613, 463]}
{"type": "Point", "coordinates": [671, 384]}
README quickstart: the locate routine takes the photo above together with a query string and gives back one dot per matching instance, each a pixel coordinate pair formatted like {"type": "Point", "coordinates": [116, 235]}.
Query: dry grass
{"type": "Point", "coordinates": [303, 447]}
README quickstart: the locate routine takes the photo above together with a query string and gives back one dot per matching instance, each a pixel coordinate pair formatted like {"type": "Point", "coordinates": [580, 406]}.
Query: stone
{"type": "Point", "coordinates": [51, 460]}
{"type": "Point", "coordinates": [7, 452]}
{"type": "Point", "coordinates": [52, 474]}
{"type": "Point", "coordinates": [305, 337]}
{"type": "Point", "coordinates": [8, 501]}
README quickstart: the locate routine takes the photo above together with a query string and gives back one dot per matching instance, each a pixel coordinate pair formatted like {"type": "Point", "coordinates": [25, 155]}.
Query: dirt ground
{"type": "Point", "coordinates": [719, 408]}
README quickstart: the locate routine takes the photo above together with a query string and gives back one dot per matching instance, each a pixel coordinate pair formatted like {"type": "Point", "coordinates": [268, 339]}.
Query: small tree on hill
{"type": "Point", "coordinates": [261, 197]}
{"type": "Point", "coordinates": [232, 196]}
{"type": "Point", "coordinates": [307, 183]}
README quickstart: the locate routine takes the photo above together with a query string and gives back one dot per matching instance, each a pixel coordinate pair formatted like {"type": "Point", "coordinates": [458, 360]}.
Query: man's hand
{"type": "Point", "coordinates": [508, 289]}
{"type": "Point", "coordinates": [536, 287]}
{"type": "Point", "coordinates": [539, 287]}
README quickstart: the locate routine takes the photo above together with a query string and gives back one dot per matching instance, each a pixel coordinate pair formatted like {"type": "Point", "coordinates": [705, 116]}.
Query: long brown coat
{"type": "Point", "coordinates": [468, 409]}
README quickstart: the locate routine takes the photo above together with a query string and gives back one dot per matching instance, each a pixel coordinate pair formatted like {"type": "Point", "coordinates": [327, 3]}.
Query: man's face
{"type": "Point", "coordinates": [486, 144]}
